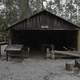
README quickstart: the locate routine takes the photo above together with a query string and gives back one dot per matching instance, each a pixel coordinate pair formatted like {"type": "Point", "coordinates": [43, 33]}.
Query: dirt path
{"type": "Point", "coordinates": [35, 69]}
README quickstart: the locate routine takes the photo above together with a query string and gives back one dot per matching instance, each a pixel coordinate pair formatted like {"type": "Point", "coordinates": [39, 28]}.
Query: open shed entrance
{"type": "Point", "coordinates": [36, 39]}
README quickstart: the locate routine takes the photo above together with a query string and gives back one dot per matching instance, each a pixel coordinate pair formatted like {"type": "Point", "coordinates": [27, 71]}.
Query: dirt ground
{"type": "Point", "coordinates": [36, 69]}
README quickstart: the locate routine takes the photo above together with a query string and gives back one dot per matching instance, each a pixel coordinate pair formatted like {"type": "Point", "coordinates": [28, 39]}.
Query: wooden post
{"type": "Point", "coordinates": [52, 52]}
{"type": "Point", "coordinates": [6, 55]}
{"type": "Point", "coordinates": [9, 38]}
{"type": "Point", "coordinates": [78, 41]}
{"type": "Point", "coordinates": [0, 50]}
{"type": "Point", "coordinates": [47, 53]}
{"type": "Point", "coordinates": [28, 49]}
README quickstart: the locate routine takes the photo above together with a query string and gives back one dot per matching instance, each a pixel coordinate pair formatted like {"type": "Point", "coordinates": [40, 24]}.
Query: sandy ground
{"type": "Point", "coordinates": [35, 69]}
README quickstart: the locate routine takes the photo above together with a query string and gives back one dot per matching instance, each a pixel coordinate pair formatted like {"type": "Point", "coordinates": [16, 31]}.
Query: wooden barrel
{"type": "Point", "coordinates": [69, 67]}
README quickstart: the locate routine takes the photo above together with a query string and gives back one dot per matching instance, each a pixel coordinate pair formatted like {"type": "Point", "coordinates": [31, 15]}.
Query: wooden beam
{"type": "Point", "coordinates": [70, 53]}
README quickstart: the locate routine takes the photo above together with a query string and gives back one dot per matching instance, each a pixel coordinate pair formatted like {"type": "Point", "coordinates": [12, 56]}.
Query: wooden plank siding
{"type": "Point", "coordinates": [44, 19]}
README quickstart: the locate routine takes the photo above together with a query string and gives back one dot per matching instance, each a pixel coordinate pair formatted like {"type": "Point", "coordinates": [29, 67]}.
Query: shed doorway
{"type": "Point", "coordinates": [35, 39]}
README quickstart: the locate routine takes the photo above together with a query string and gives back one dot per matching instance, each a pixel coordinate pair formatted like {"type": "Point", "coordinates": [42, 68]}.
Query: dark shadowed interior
{"type": "Point", "coordinates": [38, 38]}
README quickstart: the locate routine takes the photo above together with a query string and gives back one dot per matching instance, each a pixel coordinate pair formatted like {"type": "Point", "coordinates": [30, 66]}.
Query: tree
{"type": "Point", "coordinates": [24, 9]}
{"type": "Point", "coordinates": [17, 10]}
{"type": "Point", "coordinates": [77, 3]}
{"type": "Point", "coordinates": [36, 5]}
{"type": "Point", "coordinates": [11, 11]}
{"type": "Point", "coordinates": [3, 24]}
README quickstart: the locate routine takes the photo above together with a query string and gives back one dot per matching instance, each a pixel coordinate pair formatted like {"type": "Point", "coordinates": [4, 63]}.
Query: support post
{"type": "Point", "coordinates": [52, 52]}
{"type": "Point", "coordinates": [78, 41]}
{"type": "Point", "coordinates": [47, 53]}
{"type": "Point", "coordinates": [28, 49]}
{"type": "Point", "coordinates": [9, 38]}
{"type": "Point", "coordinates": [0, 50]}
{"type": "Point", "coordinates": [7, 56]}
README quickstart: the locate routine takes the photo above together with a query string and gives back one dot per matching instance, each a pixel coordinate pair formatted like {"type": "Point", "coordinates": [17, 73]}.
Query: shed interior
{"type": "Point", "coordinates": [35, 39]}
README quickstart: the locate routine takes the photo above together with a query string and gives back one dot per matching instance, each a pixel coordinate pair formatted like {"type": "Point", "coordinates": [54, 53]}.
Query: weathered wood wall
{"type": "Point", "coordinates": [44, 19]}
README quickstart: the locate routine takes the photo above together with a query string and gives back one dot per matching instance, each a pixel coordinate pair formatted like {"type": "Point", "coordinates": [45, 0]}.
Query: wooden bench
{"type": "Point", "coordinates": [14, 50]}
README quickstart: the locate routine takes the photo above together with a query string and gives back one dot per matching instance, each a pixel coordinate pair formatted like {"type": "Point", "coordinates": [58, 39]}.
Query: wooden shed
{"type": "Point", "coordinates": [45, 28]}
